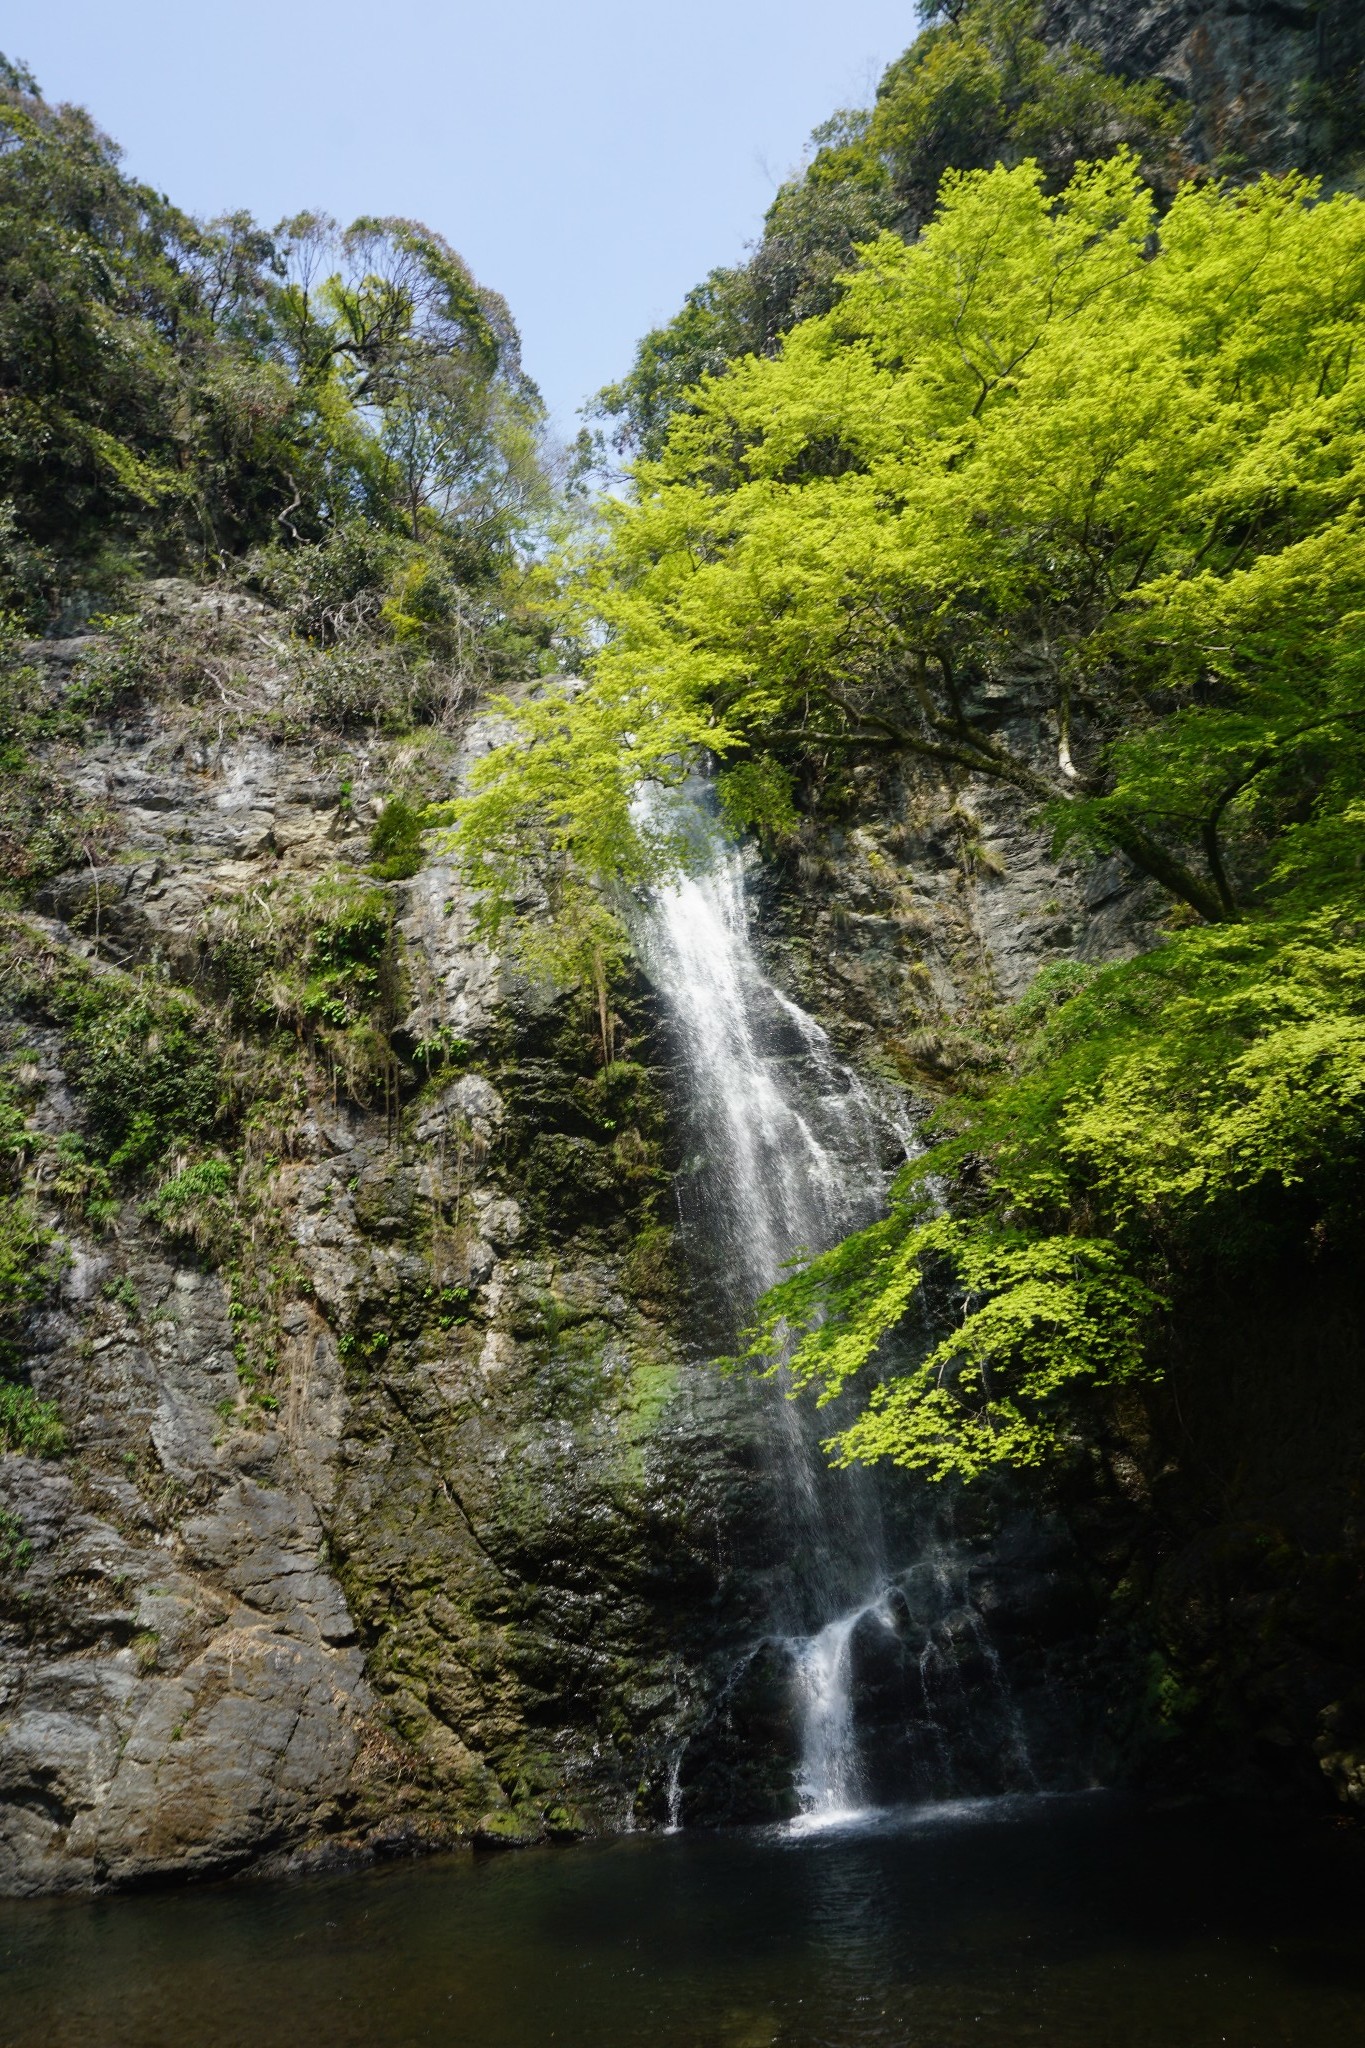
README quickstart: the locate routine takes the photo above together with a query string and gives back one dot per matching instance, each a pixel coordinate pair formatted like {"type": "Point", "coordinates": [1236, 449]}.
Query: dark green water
{"type": "Point", "coordinates": [1059, 1922]}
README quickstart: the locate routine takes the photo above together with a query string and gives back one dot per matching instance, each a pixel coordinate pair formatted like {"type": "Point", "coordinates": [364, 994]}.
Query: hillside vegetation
{"type": "Point", "coordinates": [347, 404]}
{"type": "Point", "coordinates": [1062, 494]}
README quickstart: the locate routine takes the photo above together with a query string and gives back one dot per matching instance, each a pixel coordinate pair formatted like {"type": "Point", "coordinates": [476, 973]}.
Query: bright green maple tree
{"type": "Point", "coordinates": [1068, 498]}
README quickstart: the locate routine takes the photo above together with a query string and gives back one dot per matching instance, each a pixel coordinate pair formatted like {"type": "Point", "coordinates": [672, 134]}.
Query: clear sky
{"type": "Point", "coordinates": [590, 159]}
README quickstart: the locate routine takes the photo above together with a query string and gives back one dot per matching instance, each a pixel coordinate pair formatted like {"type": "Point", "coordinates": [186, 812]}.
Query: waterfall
{"type": "Point", "coordinates": [788, 1153]}
{"type": "Point", "coordinates": [828, 1781]}
{"type": "Point", "coordinates": [790, 1140]}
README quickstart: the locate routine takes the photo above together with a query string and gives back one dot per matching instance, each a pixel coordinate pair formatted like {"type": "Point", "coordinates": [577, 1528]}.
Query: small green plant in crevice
{"type": "Point", "coordinates": [321, 964]}
{"type": "Point", "coordinates": [146, 1649]}
{"type": "Point", "coordinates": [16, 1551]}
{"type": "Point", "coordinates": [351, 996]}
{"type": "Point", "coordinates": [81, 1183]}
{"type": "Point", "coordinates": [46, 823]}
{"type": "Point", "coordinates": [194, 1206]}
{"type": "Point", "coordinates": [29, 1259]}
{"type": "Point", "coordinates": [125, 1294]}
{"type": "Point", "coordinates": [396, 841]}
{"type": "Point", "coordinates": [29, 1425]}
{"type": "Point", "coordinates": [450, 1306]}
{"type": "Point", "coordinates": [30, 1254]}
{"type": "Point", "coordinates": [651, 1272]}
{"type": "Point", "coordinates": [444, 1049]}
{"type": "Point", "coordinates": [347, 947]}
{"type": "Point", "coordinates": [146, 1057]}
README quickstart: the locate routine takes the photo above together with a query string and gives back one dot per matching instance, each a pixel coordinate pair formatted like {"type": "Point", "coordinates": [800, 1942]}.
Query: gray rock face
{"type": "Point", "coordinates": [480, 1555]}
{"type": "Point", "coordinates": [153, 1717]}
{"type": "Point", "coordinates": [901, 931]}
{"type": "Point", "coordinates": [1272, 84]}
{"type": "Point", "coordinates": [453, 1565]}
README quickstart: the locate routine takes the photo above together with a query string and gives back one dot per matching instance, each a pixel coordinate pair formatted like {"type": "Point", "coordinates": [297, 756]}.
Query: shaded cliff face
{"type": "Point", "coordinates": [1193, 1576]}
{"type": "Point", "coordinates": [393, 1507]}
{"type": "Point", "coordinates": [1272, 85]}
{"type": "Point", "coordinates": [399, 1505]}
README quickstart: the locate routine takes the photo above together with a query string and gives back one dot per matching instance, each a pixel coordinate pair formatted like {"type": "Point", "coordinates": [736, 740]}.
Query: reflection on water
{"type": "Point", "coordinates": [1071, 1923]}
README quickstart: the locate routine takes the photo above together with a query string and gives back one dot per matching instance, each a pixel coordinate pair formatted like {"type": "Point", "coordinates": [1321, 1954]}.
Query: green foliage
{"type": "Point", "coordinates": [148, 1070]}
{"type": "Point", "coordinates": [27, 1267]}
{"type": "Point", "coordinates": [396, 841]}
{"type": "Point", "coordinates": [134, 417]}
{"type": "Point", "coordinates": [29, 1256]}
{"type": "Point", "coordinates": [412, 372]}
{"type": "Point", "coordinates": [81, 1181]}
{"type": "Point", "coordinates": [1039, 1318]}
{"type": "Point", "coordinates": [1060, 459]}
{"type": "Point", "coordinates": [1202, 1106]}
{"type": "Point", "coordinates": [717, 323]}
{"type": "Point", "coordinates": [177, 393]}
{"type": "Point", "coordinates": [756, 796]}
{"type": "Point", "coordinates": [144, 1056]}
{"type": "Point", "coordinates": [16, 1551]}
{"type": "Point", "coordinates": [1032, 441]}
{"type": "Point", "coordinates": [29, 1425]}
{"type": "Point", "coordinates": [980, 88]}
{"type": "Point", "coordinates": [322, 963]}
{"type": "Point", "coordinates": [196, 1205]}
{"type": "Point", "coordinates": [45, 824]}
{"type": "Point", "coordinates": [348, 951]}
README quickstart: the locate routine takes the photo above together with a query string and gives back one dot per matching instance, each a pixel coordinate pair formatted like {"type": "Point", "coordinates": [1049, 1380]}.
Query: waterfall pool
{"type": "Point", "coordinates": [1073, 1923]}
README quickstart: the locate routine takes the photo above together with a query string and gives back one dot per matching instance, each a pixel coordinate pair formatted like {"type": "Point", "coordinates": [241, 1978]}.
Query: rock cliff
{"type": "Point", "coordinates": [399, 1503]}
{"type": "Point", "coordinates": [1270, 85]}
{"type": "Point", "coordinates": [395, 1510]}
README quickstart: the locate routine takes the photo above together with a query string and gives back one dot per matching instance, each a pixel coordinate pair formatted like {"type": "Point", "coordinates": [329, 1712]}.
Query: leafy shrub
{"type": "Point", "coordinates": [16, 1551]}
{"type": "Point", "coordinates": [146, 1058]}
{"type": "Point", "coordinates": [1201, 1106]}
{"type": "Point", "coordinates": [79, 1181]}
{"type": "Point", "coordinates": [149, 1071]}
{"type": "Point", "coordinates": [322, 963]}
{"type": "Point", "coordinates": [46, 824]}
{"type": "Point", "coordinates": [29, 1425]}
{"type": "Point", "coordinates": [27, 1269]}
{"type": "Point", "coordinates": [396, 841]}
{"type": "Point", "coordinates": [196, 1205]}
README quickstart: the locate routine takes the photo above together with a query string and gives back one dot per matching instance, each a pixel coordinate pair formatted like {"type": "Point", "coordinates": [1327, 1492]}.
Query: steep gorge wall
{"type": "Point", "coordinates": [415, 1516]}
{"type": "Point", "coordinates": [410, 1517]}
{"type": "Point", "coordinates": [1195, 1572]}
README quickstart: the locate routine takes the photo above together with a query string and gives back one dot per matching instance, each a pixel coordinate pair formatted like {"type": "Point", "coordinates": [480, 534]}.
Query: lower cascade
{"type": "Point", "coordinates": [829, 1781]}
{"type": "Point", "coordinates": [789, 1150]}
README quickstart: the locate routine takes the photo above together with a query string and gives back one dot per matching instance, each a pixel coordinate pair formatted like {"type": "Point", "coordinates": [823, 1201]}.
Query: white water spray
{"type": "Point", "coordinates": [789, 1150]}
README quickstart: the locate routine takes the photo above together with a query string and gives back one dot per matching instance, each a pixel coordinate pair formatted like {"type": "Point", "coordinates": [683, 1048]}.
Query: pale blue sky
{"type": "Point", "coordinates": [590, 159]}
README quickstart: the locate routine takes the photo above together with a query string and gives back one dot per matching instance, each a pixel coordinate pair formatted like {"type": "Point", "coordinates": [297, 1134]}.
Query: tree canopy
{"type": "Point", "coordinates": [1064, 496]}
{"type": "Point", "coordinates": [174, 393]}
{"type": "Point", "coordinates": [1046, 470]}
{"type": "Point", "coordinates": [978, 86]}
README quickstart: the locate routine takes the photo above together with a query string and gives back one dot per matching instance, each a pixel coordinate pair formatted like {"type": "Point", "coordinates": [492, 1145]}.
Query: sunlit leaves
{"type": "Point", "coordinates": [1191, 1106]}
{"type": "Point", "coordinates": [1050, 436]}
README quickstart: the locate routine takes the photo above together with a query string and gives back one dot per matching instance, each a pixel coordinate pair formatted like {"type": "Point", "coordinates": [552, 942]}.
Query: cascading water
{"type": "Point", "coordinates": [786, 1166]}
{"type": "Point", "coordinates": [829, 1781]}
{"type": "Point", "coordinates": [790, 1152]}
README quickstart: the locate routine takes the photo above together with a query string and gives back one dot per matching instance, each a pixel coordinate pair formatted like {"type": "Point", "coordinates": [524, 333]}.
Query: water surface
{"type": "Point", "coordinates": [1074, 1923]}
